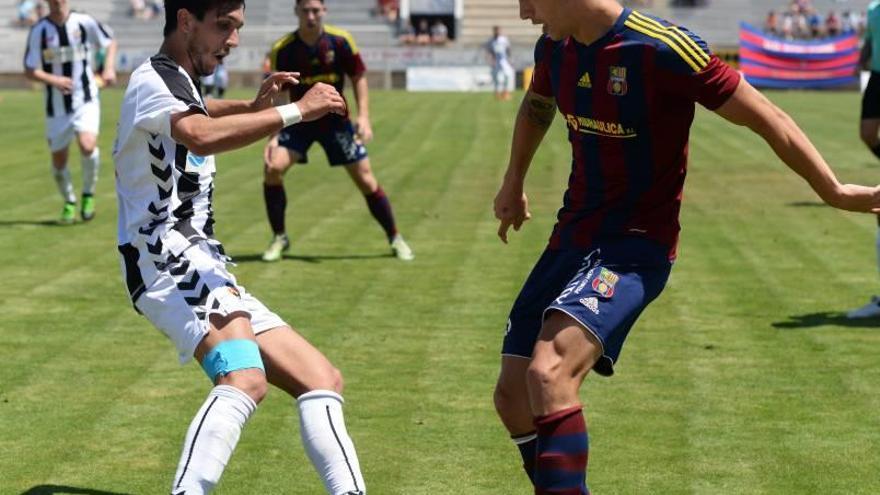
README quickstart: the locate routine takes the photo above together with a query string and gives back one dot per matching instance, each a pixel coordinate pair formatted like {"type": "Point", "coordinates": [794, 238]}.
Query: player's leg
{"type": "Point", "coordinates": [379, 205]}
{"type": "Point", "coordinates": [509, 82]}
{"type": "Point", "coordinates": [91, 163]}
{"type": "Point", "coordinates": [277, 160]}
{"type": "Point", "coordinates": [301, 370]}
{"type": "Point", "coordinates": [230, 354]}
{"type": "Point", "coordinates": [59, 134]}
{"type": "Point", "coordinates": [512, 405]}
{"type": "Point", "coordinates": [193, 301]}
{"type": "Point", "coordinates": [869, 132]}
{"type": "Point", "coordinates": [564, 354]}
{"type": "Point", "coordinates": [278, 156]}
{"type": "Point", "coordinates": [86, 125]}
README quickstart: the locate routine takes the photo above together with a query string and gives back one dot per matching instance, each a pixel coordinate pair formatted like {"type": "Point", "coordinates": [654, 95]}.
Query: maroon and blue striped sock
{"type": "Point", "coordinates": [276, 205]}
{"type": "Point", "coordinates": [562, 453]}
{"type": "Point", "coordinates": [526, 445]}
{"type": "Point", "coordinates": [380, 207]}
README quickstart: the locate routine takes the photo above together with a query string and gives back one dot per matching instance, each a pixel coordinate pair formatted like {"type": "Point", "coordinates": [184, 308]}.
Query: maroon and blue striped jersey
{"type": "Point", "coordinates": [334, 56]}
{"type": "Point", "coordinates": [628, 100]}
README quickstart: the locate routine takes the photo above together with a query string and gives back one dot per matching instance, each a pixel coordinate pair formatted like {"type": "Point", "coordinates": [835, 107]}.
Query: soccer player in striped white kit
{"type": "Point", "coordinates": [176, 271]}
{"type": "Point", "coordinates": [59, 54]}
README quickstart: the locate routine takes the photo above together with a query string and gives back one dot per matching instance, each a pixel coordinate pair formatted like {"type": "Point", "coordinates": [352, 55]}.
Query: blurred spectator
{"type": "Point", "coordinates": [423, 33]}
{"type": "Point", "coordinates": [788, 26]}
{"type": "Point", "coordinates": [26, 13]}
{"type": "Point", "coordinates": [771, 23]}
{"type": "Point", "coordinates": [833, 25]}
{"type": "Point", "coordinates": [406, 34]}
{"type": "Point", "coordinates": [138, 9]}
{"type": "Point", "coordinates": [389, 9]}
{"type": "Point", "coordinates": [814, 21]}
{"type": "Point", "coordinates": [144, 9]}
{"type": "Point", "coordinates": [439, 33]}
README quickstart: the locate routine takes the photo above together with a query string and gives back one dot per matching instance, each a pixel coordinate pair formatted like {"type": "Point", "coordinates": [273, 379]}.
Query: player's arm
{"type": "Point", "coordinates": [204, 135]}
{"type": "Point", "coordinates": [534, 118]}
{"type": "Point", "coordinates": [109, 72]}
{"type": "Point", "coordinates": [61, 83]}
{"type": "Point", "coordinates": [748, 107]}
{"type": "Point", "coordinates": [362, 98]}
{"type": "Point", "coordinates": [266, 97]}
{"type": "Point", "coordinates": [865, 54]}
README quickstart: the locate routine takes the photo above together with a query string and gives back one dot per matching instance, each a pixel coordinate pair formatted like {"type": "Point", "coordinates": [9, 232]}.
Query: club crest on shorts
{"type": "Point", "coordinates": [604, 283]}
{"type": "Point", "coordinates": [617, 84]}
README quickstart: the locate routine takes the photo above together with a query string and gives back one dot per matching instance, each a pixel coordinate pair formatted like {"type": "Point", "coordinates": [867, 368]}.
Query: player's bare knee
{"type": "Point", "coordinates": [870, 138]}
{"type": "Point", "coordinates": [338, 383]}
{"type": "Point", "coordinates": [543, 375]}
{"type": "Point", "coordinates": [250, 381]}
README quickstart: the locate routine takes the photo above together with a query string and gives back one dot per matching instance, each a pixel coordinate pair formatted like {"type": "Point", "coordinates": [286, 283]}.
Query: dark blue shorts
{"type": "Point", "coordinates": [335, 134]}
{"type": "Point", "coordinates": [606, 295]}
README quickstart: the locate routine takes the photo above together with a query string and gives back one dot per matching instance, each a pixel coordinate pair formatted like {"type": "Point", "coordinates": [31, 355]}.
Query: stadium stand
{"type": "Point", "coordinates": [481, 15]}
{"type": "Point", "coordinates": [267, 20]}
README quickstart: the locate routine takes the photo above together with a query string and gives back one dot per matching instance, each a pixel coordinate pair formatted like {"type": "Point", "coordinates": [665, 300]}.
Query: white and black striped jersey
{"type": "Point", "coordinates": [164, 190]}
{"type": "Point", "coordinates": [65, 51]}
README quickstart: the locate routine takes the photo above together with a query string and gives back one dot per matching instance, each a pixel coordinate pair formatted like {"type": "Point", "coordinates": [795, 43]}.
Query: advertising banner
{"type": "Point", "coordinates": [771, 62]}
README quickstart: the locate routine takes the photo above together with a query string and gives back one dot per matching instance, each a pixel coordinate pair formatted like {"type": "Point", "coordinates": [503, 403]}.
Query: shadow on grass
{"type": "Point", "coordinates": [36, 223]}
{"type": "Point", "coordinates": [320, 258]}
{"type": "Point", "coordinates": [807, 204]}
{"type": "Point", "coordinates": [62, 490]}
{"type": "Point", "coordinates": [827, 318]}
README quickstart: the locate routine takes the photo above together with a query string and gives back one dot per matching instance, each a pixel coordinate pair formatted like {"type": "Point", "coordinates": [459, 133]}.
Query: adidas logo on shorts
{"type": "Point", "coordinates": [591, 303]}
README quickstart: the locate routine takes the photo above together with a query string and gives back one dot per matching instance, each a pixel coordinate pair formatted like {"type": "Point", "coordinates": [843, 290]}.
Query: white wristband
{"type": "Point", "coordinates": [290, 114]}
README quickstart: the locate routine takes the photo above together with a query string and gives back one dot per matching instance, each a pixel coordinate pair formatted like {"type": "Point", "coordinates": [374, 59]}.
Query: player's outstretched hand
{"type": "Point", "coordinates": [272, 86]}
{"type": "Point", "coordinates": [512, 209]}
{"type": "Point", "coordinates": [854, 197]}
{"type": "Point", "coordinates": [319, 101]}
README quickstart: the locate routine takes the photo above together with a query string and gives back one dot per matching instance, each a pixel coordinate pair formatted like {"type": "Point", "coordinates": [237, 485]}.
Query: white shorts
{"type": "Point", "coordinates": [61, 128]}
{"type": "Point", "coordinates": [504, 77]}
{"type": "Point", "coordinates": [193, 287]}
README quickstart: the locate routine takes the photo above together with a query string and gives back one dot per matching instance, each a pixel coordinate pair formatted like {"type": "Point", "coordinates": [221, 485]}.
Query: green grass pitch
{"type": "Point", "coordinates": [743, 378]}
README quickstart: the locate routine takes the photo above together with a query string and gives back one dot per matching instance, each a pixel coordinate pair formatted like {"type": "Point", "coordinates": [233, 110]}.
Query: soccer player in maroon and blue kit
{"type": "Point", "coordinates": [326, 54]}
{"type": "Point", "coordinates": [627, 85]}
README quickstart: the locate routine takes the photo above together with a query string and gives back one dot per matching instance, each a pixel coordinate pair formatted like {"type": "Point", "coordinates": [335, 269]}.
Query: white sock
{"type": "Point", "coordinates": [90, 166]}
{"type": "Point", "coordinates": [210, 440]}
{"type": "Point", "coordinates": [327, 443]}
{"type": "Point", "coordinates": [65, 185]}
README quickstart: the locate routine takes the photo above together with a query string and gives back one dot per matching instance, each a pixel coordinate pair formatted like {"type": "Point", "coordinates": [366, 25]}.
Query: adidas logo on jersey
{"type": "Point", "coordinates": [585, 81]}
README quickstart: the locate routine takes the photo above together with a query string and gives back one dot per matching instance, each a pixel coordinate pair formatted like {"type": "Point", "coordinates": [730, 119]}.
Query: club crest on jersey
{"type": "Point", "coordinates": [234, 291]}
{"type": "Point", "coordinates": [604, 283]}
{"type": "Point", "coordinates": [194, 163]}
{"type": "Point", "coordinates": [617, 84]}
{"type": "Point", "coordinates": [329, 57]}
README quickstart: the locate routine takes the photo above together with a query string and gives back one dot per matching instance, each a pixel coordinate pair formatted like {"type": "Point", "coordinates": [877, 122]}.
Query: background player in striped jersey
{"type": "Point", "coordinates": [59, 54]}
{"type": "Point", "coordinates": [626, 84]}
{"type": "Point", "coordinates": [323, 53]}
{"type": "Point", "coordinates": [176, 271]}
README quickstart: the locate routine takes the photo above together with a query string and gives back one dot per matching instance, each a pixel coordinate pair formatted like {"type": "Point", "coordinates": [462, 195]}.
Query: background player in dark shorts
{"type": "Point", "coordinates": [322, 53]}
{"type": "Point", "coordinates": [617, 231]}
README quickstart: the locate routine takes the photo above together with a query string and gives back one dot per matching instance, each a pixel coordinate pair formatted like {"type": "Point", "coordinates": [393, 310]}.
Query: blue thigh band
{"type": "Point", "coordinates": [232, 355]}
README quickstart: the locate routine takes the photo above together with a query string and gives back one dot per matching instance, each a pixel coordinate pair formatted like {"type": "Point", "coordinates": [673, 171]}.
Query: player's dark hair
{"type": "Point", "coordinates": [301, 1]}
{"type": "Point", "coordinates": [197, 8]}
